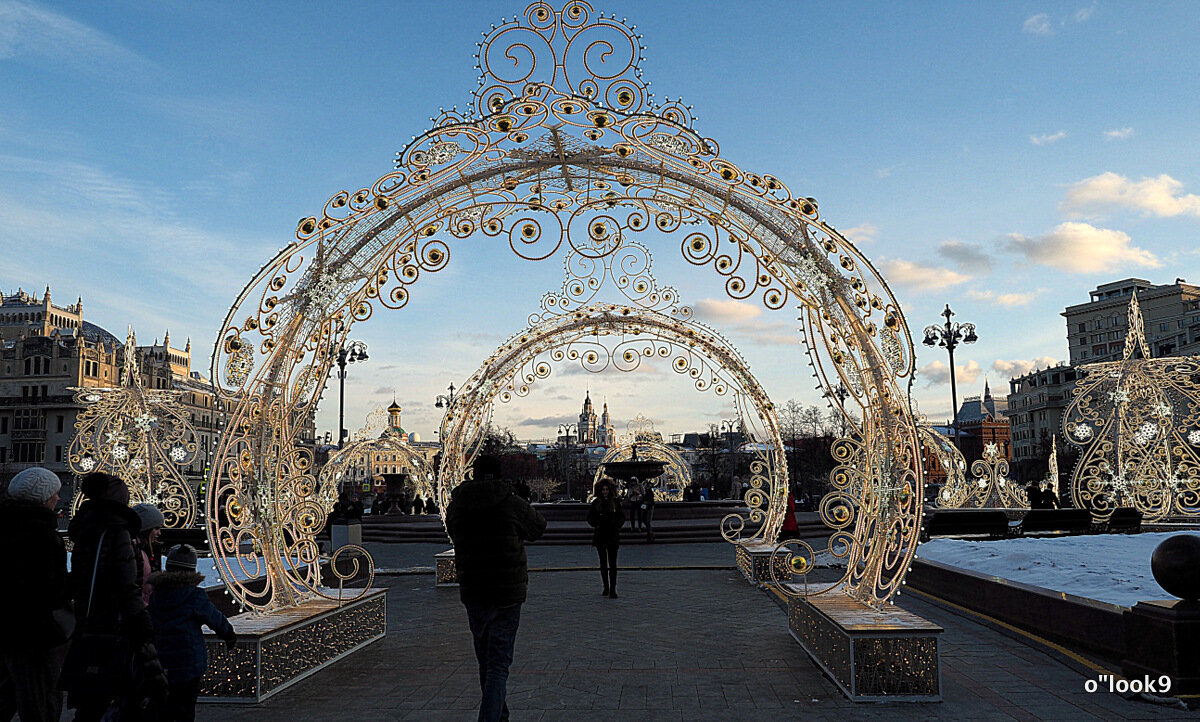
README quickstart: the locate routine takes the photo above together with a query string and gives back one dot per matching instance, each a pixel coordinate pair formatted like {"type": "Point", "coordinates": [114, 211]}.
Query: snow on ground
{"type": "Point", "coordinates": [1112, 568]}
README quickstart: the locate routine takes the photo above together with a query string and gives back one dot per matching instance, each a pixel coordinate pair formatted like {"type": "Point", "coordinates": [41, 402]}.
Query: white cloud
{"type": "Point", "coordinates": [1119, 134]}
{"type": "Point", "coordinates": [719, 310]}
{"type": "Point", "coordinates": [1018, 367]}
{"type": "Point", "coordinates": [920, 277]}
{"type": "Point", "coordinates": [1083, 248]}
{"type": "Point", "coordinates": [1048, 139]}
{"type": "Point", "coordinates": [937, 373]}
{"type": "Point", "coordinates": [882, 173]}
{"type": "Point", "coordinates": [1004, 299]}
{"type": "Point", "coordinates": [862, 233]}
{"type": "Point", "coordinates": [1082, 14]}
{"type": "Point", "coordinates": [1161, 196]}
{"type": "Point", "coordinates": [1038, 25]}
{"type": "Point", "coordinates": [967, 256]}
{"type": "Point", "coordinates": [30, 31]}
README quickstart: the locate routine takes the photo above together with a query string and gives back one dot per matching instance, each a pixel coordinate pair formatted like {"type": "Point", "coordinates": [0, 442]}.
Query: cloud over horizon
{"type": "Point", "coordinates": [920, 277]}
{"type": "Point", "coordinates": [1082, 248]}
{"type": "Point", "coordinates": [1018, 367]}
{"type": "Point", "coordinates": [937, 373]}
{"type": "Point", "coordinates": [1160, 196]}
{"type": "Point", "coordinates": [966, 256]}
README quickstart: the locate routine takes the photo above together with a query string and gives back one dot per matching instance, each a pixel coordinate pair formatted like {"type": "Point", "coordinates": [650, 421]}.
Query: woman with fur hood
{"type": "Point", "coordinates": [178, 608]}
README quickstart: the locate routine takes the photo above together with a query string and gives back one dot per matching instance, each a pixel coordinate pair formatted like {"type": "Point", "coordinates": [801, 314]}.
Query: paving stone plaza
{"type": "Point", "coordinates": [689, 639]}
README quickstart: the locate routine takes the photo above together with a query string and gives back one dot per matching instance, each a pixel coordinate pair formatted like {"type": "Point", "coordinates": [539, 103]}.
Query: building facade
{"type": "Point", "coordinates": [1096, 330]}
{"type": "Point", "coordinates": [1036, 403]}
{"type": "Point", "coordinates": [983, 420]}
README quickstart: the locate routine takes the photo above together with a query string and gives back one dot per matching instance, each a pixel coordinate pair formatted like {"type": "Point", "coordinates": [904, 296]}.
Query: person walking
{"type": "Point", "coordinates": [112, 661]}
{"type": "Point", "coordinates": [489, 525]}
{"type": "Point", "coordinates": [634, 495]}
{"type": "Point", "coordinates": [178, 609]}
{"type": "Point", "coordinates": [35, 614]}
{"type": "Point", "coordinates": [606, 517]}
{"type": "Point", "coordinates": [145, 546]}
{"type": "Point", "coordinates": [648, 512]}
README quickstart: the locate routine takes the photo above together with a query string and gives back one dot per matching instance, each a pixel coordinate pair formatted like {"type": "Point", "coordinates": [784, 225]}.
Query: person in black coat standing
{"type": "Point", "coordinates": [489, 525]}
{"type": "Point", "coordinates": [35, 619]}
{"type": "Point", "coordinates": [102, 532]}
{"type": "Point", "coordinates": [606, 517]}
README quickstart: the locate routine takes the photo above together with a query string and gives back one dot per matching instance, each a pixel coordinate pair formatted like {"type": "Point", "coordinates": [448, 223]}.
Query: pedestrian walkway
{"type": "Point", "coordinates": [679, 644]}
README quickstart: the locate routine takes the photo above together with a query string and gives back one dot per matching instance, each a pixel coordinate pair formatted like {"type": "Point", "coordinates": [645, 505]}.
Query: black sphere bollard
{"type": "Point", "coordinates": [1176, 566]}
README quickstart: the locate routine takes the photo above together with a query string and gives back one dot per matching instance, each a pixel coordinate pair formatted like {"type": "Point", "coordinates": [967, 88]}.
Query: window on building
{"type": "Point", "coordinates": [3, 455]}
{"type": "Point", "coordinates": [59, 425]}
{"type": "Point", "coordinates": [1082, 327]}
{"type": "Point", "coordinates": [3, 424]}
{"type": "Point", "coordinates": [1083, 354]}
{"type": "Point", "coordinates": [1164, 326]}
{"type": "Point", "coordinates": [58, 453]}
{"type": "Point", "coordinates": [28, 451]}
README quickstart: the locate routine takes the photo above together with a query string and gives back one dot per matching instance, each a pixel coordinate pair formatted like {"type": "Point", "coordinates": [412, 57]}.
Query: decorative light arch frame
{"type": "Point", "coordinates": [636, 333]}
{"type": "Point", "coordinates": [564, 144]}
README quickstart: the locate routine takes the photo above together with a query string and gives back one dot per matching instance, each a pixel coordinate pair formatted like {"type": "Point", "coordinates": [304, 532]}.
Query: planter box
{"type": "Point", "coordinates": [873, 656]}
{"type": "Point", "coordinates": [446, 573]}
{"type": "Point", "coordinates": [754, 560]}
{"type": "Point", "coordinates": [274, 651]}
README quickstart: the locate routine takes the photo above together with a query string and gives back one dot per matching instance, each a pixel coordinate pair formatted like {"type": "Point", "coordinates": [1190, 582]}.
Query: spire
{"type": "Point", "coordinates": [46, 300]}
{"type": "Point", "coordinates": [167, 340]}
{"type": "Point", "coordinates": [188, 347]}
{"type": "Point", "coordinates": [987, 390]}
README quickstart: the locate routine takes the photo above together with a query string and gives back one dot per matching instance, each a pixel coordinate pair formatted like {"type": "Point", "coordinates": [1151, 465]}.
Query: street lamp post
{"type": "Point", "coordinates": [347, 354]}
{"type": "Point", "coordinates": [949, 336]}
{"type": "Point", "coordinates": [841, 393]}
{"type": "Point", "coordinates": [564, 435]}
{"type": "Point", "coordinates": [727, 427]}
{"type": "Point", "coordinates": [446, 400]}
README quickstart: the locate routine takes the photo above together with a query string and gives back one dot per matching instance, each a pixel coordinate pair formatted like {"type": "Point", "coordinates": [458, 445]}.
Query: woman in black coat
{"type": "Point", "coordinates": [606, 517]}
{"type": "Point", "coordinates": [102, 532]}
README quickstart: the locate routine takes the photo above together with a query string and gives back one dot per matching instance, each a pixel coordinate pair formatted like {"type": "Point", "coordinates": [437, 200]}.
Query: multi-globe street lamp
{"type": "Point", "coordinates": [446, 401]}
{"type": "Point", "coordinates": [353, 352]}
{"type": "Point", "coordinates": [949, 336]}
{"type": "Point", "coordinates": [564, 435]}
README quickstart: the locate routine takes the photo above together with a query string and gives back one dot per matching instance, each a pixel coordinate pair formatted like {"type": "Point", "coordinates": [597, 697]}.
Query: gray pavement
{"type": "Point", "coordinates": [680, 644]}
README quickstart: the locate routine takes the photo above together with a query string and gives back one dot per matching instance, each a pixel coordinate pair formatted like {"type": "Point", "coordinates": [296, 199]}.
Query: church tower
{"type": "Point", "coordinates": [587, 421]}
{"type": "Point", "coordinates": [606, 435]}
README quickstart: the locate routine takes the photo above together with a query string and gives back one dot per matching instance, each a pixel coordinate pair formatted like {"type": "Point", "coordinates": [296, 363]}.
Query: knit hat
{"type": "Point", "coordinates": [182, 557]}
{"type": "Point", "coordinates": [151, 517]}
{"type": "Point", "coordinates": [99, 485]}
{"type": "Point", "coordinates": [34, 484]}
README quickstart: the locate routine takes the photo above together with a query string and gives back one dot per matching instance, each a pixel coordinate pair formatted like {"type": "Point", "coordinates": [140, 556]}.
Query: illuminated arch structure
{"type": "Point", "coordinates": [1137, 421]}
{"type": "Point", "coordinates": [355, 460]}
{"type": "Point", "coordinates": [563, 145]}
{"type": "Point", "coordinates": [141, 435]}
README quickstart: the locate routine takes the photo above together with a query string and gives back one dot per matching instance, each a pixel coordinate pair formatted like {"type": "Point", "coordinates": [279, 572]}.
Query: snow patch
{"type": "Point", "coordinates": [1113, 568]}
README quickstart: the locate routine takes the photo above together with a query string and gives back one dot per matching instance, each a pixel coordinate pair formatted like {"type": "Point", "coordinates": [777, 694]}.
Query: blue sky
{"type": "Point", "coordinates": [1003, 157]}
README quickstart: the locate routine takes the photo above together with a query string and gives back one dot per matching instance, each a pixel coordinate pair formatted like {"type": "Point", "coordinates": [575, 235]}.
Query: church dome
{"type": "Point", "coordinates": [394, 408]}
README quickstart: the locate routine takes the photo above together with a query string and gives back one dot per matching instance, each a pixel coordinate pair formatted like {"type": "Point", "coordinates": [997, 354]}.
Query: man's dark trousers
{"type": "Point", "coordinates": [495, 632]}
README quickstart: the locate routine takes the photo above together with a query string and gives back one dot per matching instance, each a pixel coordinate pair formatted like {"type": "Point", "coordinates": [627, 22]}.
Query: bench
{"type": "Point", "coordinates": [1125, 520]}
{"type": "Point", "coordinates": [1056, 521]}
{"type": "Point", "coordinates": [966, 522]}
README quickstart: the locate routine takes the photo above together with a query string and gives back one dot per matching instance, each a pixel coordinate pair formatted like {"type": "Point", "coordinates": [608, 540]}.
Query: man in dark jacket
{"type": "Point", "coordinates": [34, 619]}
{"type": "Point", "coordinates": [489, 525]}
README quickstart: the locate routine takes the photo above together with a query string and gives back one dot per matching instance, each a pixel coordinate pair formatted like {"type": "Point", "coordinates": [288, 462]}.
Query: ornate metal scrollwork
{"type": "Point", "coordinates": [1137, 421]}
{"type": "Point", "coordinates": [564, 148]}
{"type": "Point", "coordinates": [141, 435]}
